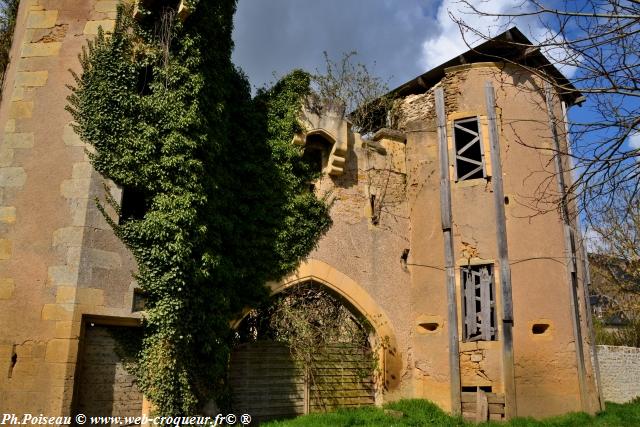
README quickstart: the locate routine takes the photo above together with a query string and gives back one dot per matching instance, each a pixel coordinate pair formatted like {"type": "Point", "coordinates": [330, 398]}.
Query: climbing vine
{"type": "Point", "coordinates": [321, 330]}
{"type": "Point", "coordinates": [223, 190]}
{"type": "Point", "coordinates": [8, 14]}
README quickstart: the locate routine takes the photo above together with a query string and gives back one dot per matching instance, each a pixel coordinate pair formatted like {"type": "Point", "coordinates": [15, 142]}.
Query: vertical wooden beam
{"type": "Point", "coordinates": [482, 407]}
{"type": "Point", "coordinates": [307, 390]}
{"type": "Point", "coordinates": [445, 216]}
{"type": "Point", "coordinates": [508, 375]}
{"type": "Point", "coordinates": [569, 249]}
{"type": "Point", "coordinates": [586, 276]}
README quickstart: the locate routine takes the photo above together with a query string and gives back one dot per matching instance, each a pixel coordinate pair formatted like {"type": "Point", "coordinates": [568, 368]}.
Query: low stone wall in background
{"type": "Point", "coordinates": [619, 372]}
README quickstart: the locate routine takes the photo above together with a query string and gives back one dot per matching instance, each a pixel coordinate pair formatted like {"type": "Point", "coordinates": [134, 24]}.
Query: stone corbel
{"type": "Point", "coordinates": [184, 10]}
{"type": "Point", "coordinates": [338, 157]}
{"type": "Point", "coordinates": [335, 129]}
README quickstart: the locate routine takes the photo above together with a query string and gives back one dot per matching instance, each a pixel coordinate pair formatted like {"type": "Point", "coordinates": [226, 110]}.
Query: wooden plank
{"type": "Point", "coordinates": [594, 348]}
{"type": "Point", "coordinates": [344, 386]}
{"type": "Point", "coordinates": [496, 408]}
{"type": "Point", "coordinates": [508, 374]}
{"type": "Point", "coordinates": [485, 303]}
{"type": "Point", "coordinates": [264, 415]}
{"type": "Point", "coordinates": [268, 395]}
{"type": "Point", "coordinates": [445, 217]}
{"type": "Point", "coordinates": [470, 397]}
{"type": "Point", "coordinates": [470, 319]}
{"type": "Point", "coordinates": [586, 273]}
{"type": "Point", "coordinates": [343, 401]}
{"type": "Point", "coordinates": [469, 416]}
{"type": "Point", "coordinates": [569, 250]}
{"type": "Point", "coordinates": [334, 394]}
{"type": "Point", "coordinates": [267, 375]}
{"type": "Point", "coordinates": [266, 382]}
{"type": "Point", "coordinates": [482, 407]}
{"type": "Point", "coordinates": [274, 405]}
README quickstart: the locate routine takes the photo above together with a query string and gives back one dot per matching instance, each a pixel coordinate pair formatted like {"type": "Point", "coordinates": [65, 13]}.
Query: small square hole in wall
{"type": "Point", "coordinates": [540, 328]}
{"type": "Point", "coordinates": [430, 326]}
{"type": "Point", "coordinates": [139, 301]}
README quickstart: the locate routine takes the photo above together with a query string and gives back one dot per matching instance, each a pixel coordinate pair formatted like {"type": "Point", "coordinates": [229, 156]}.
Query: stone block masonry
{"type": "Point", "coordinates": [620, 372]}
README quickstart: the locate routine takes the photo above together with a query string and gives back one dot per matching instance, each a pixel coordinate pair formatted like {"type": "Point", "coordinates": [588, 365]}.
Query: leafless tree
{"type": "Point", "coordinates": [615, 261]}
{"type": "Point", "coordinates": [598, 42]}
{"type": "Point", "coordinates": [348, 88]}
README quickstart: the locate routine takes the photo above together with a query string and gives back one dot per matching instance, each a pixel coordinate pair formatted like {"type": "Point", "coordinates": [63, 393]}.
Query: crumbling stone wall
{"type": "Point", "coordinates": [619, 372]}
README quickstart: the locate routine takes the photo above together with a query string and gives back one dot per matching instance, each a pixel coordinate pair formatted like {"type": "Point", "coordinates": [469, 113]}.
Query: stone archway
{"type": "Point", "coordinates": [321, 272]}
{"type": "Point", "coordinates": [264, 369]}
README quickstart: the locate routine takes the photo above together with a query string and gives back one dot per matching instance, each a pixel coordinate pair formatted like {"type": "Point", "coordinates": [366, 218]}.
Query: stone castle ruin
{"type": "Point", "coordinates": [476, 300]}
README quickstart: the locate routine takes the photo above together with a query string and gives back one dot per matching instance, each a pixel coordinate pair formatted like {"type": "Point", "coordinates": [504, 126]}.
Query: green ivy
{"type": "Point", "coordinates": [225, 190]}
{"type": "Point", "coordinates": [8, 15]}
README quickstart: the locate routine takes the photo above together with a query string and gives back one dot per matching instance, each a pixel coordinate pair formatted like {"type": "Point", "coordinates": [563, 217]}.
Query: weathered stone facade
{"type": "Point", "coordinates": [59, 257]}
{"type": "Point", "coordinates": [620, 372]}
{"type": "Point", "coordinates": [62, 269]}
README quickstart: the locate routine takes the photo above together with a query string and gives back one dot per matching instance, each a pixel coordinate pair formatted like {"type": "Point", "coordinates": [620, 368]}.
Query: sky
{"type": "Point", "coordinates": [397, 39]}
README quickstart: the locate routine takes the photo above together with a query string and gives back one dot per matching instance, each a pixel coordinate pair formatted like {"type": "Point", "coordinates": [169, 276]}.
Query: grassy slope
{"type": "Point", "coordinates": [423, 413]}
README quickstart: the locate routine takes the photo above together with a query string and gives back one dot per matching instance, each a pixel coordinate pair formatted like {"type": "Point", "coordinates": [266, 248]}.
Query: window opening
{"type": "Point", "coordinates": [316, 152]}
{"type": "Point", "coordinates": [134, 204]}
{"type": "Point", "coordinates": [375, 217]}
{"type": "Point", "coordinates": [313, 157]}
{"type": "Point", "coordinates": [139, 301]}
{"type": "Point", "coordinates": [474, 389]}
{"type": "Point", "coordinates": [479, 303]}
{"type": "Point", "coordinates": [469, 162]}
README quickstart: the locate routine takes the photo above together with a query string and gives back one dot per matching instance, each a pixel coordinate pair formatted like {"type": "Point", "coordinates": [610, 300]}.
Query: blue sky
{"type": "Point", "coordinates": [279, 35]}
{"type": "Point", "coordinates": [397, 39]}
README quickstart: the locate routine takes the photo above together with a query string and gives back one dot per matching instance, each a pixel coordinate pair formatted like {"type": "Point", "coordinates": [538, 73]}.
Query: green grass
{"type": "Point", "coordinates": [423, 413]}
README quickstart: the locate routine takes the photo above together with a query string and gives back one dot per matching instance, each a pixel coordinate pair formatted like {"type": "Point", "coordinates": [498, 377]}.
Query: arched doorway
{"type": "Point", "coordinates": [307, 350]}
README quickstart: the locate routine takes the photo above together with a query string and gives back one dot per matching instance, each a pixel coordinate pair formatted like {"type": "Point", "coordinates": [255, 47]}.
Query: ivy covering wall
{"type": "Point", "coordinates": [8, 15]}
{"type": "Point", "coordinates": [225, 205]}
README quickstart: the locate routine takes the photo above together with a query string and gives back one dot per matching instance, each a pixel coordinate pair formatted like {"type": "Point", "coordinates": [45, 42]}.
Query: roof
{"type": "Point", "coordinates": [511, 46]}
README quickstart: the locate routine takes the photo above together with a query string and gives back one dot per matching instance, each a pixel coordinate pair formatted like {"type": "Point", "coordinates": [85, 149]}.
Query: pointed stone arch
{"type": "Point", "coordinates": [326, 275]}
{"type": "Point", "coordinates": [335, 130]}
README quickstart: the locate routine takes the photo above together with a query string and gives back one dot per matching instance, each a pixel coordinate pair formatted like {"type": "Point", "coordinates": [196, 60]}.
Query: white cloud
{"type": "Point", "coordinates": [279, 35]}
{"type": "Point", "coordinates": [634, 141]}
{"type": "Point", "coordinates": [593, 240]}
{"type": "Point", "coordinates": [449, 42]}
{"type": "Point", "coordinates": [404, 38]}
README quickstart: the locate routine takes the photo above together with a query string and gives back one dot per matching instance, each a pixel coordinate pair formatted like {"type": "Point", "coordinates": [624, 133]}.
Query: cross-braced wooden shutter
{"type": "Point", "coordinates": [479, 305]}
{"type": "Point", "coordinates": [469, 162]}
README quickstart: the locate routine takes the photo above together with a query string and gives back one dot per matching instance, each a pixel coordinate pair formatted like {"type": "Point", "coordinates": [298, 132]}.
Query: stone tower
{"type": "Point", "coordinates": [59, 260]}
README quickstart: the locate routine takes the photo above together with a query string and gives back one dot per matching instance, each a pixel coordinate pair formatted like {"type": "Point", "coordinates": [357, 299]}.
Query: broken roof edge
{"type": "Point", "coordinates": [510, 47]}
